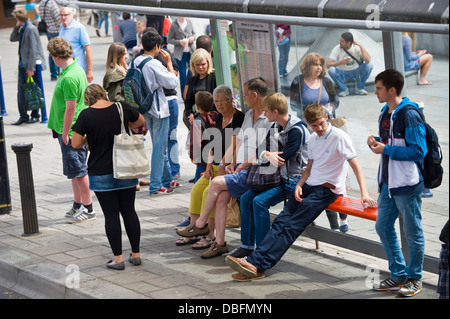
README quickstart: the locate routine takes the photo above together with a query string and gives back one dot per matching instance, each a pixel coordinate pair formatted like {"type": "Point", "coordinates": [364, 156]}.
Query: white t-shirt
{"type": "Point", "coordinates": [330, 154]}
{"type": "Point", "coordinates": [337, 54]}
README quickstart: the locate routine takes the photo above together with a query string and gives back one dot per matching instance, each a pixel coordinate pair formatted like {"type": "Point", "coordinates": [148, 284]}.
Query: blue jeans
{"type": "Point", "coordinates": [290, 224]}
{"type": "Point", "coordinates": [103, 16]}
{"type": "Point", "coordinates": [389, 208]}
{"type": "Point", "coordinates": [22, 79]}
{"type": "Point", "coordinates": [198, 173]}
{"type": "Point", "coordinates": [183, 65]}
{"type": "Point", "coordinates": [283, 47]}
{"type": "Point", "coordinates": [159, 132]}
{"type": "Point", "coordinates": [54, 69]}
{"type": "Point", "coordinates": [172, 157]}
{"type": "Point", "coordinates": [255, 217]}
{"type": "Point", "coordinates": [358, 75]}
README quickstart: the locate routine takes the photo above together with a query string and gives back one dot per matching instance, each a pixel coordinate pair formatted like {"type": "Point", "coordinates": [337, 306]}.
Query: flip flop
{"type": "Point", "coordinates": [186, 241]}
{"type": "Point", "coordinates": [202, 245]}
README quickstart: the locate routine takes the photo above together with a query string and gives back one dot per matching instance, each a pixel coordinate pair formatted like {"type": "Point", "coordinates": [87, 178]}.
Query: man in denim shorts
{"type": "Point", "coordinates": [67, 103]}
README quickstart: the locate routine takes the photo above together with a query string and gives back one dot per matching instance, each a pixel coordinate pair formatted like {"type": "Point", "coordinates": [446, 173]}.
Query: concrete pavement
{"type": "Point", "coordinates": [68, 260]}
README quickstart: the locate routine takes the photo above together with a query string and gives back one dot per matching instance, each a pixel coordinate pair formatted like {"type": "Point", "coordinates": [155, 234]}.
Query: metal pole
{"type": "Point", "coordinates": [5, 193]}
{"type": "Point", "coordinates": [2, 97]}
{"type": "Point", "coordinates": [27, 196]}
{"type": "Point", "coordinates": [267, 18]}
{"type": "Point", "coordinates": [44, 118]}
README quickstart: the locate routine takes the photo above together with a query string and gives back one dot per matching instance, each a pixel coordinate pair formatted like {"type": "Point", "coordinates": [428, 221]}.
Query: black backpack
{"type": "Point", "coordinates": [431, 169]}
{"type": "Point", "coordinates": [134, 89]}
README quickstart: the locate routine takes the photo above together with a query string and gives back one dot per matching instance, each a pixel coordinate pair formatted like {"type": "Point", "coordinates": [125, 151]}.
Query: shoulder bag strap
{"type": "Point", "coordinates": [320, 92]}
{"type": "Point", "coordinates": [119, 108]}
{"type": "Point", "coordinates": [358, 61]}
{"type": "Point", "coordinates": [43, 15]}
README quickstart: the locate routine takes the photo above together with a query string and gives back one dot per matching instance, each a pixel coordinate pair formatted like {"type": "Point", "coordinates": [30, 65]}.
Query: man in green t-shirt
{"type": "Point", "coordinates": [67, 103]}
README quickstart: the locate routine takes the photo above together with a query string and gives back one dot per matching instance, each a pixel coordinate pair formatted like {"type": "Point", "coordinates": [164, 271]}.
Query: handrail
{"type": "Point", "coordinates": [293, 20]}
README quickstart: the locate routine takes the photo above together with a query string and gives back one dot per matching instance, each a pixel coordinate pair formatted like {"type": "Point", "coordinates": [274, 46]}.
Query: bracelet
{"type": "Point", "coordinates": [222, 164]}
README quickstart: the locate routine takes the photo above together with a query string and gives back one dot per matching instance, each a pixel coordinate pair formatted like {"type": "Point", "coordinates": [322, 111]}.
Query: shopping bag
{"type": "Point", "coordinates": [233, 213]}
{"type": "Point", "coordinates": [129, 157]}
{"type": "Point", "coordinates": [33, 95]}
{"type": "Point", "coordinates": [340, 122]}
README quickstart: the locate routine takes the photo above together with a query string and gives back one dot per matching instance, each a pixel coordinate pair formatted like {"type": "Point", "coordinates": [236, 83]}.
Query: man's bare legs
{"type": "Point", "coordinates": [81, 192]}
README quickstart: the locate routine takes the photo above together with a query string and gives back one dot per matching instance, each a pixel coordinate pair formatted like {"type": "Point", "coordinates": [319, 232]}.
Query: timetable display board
{"type": "Point", "coordinates": [255, 51]}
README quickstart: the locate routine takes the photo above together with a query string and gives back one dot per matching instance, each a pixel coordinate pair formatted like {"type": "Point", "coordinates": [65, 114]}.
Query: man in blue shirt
{"type": "Point", "coordinates": [401, 143]}
{"type": "Point", "coordinates": [75, 33]}
{"type": "Point", "coordinates": [128, 31]}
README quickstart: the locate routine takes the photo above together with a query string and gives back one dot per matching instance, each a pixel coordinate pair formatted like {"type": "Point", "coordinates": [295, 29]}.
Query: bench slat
{"type": "Point", "coordinates": [353, 207]}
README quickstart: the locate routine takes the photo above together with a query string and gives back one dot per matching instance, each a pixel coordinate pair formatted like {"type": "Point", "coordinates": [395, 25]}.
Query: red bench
{"type": "Point", "coordinates": [353, 207]}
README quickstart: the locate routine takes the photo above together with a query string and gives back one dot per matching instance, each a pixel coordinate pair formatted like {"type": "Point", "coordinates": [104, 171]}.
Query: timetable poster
{"type": "Point", "coordinates": [255, 54]}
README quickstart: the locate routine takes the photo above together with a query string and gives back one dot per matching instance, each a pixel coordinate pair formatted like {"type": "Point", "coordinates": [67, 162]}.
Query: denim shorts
{"type": "Point", "coordinates": [74, 159]}
{"type": "Point", "coordinates": [237, 183]}
{"type": "Point", "coordinates": [106, 183]}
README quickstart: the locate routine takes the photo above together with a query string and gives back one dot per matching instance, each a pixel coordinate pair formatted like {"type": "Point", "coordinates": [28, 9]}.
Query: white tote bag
{"type": "Point", "coordinates": [129, 157]}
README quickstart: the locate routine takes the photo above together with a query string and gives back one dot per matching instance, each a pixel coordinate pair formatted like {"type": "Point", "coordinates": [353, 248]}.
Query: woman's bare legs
{"type": "Point", "coordinates": [218, 197]}
{"type": "Point", "coordinates": [424, 65]}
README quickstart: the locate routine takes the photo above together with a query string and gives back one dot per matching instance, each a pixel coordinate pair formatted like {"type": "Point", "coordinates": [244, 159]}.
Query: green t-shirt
{"type": "Point", "coordinates": [71, 85]}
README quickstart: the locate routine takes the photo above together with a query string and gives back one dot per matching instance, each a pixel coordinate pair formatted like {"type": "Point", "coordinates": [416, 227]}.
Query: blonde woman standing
{"type": "Point", "coordinates": [116, 69]}
{"type": "Point", "coordinates": [203, 79]}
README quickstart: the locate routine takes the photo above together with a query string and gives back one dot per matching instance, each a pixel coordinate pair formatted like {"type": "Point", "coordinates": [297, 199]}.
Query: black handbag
{"type": "Point", "coordinates": [263, 177]}
{"type": "Point", "coordinates": [42, 25]}
{"type": "Point", "coordinates": [33, 95]}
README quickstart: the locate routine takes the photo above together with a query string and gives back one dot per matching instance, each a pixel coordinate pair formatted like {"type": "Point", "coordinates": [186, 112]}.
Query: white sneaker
{"type": "Point", "coordinates": [73, 211]}
{"type": "Point", "coordinates": [344, 93]}
{"type": "Point", "coordinates": [361, 92]}
{"type": "Point", "coordinates": [81, 216]}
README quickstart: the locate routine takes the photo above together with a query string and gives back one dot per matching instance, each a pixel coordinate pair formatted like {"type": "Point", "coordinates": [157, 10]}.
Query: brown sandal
{"type": "Point", "coordinates": [193, 231]}
{"type": "Point", "coordinates": [215, 250]}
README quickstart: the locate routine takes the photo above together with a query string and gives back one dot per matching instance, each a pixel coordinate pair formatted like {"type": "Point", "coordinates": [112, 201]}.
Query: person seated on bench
{"type": "Point", "coordinates": [330, 152]}
{"type": "Point", "coordinates": [285, 150]}
{"type": "Point", "coordinates": [234, 183]}
{"type": "Point", "coordinates": [415, 60]}
{"type": "Point", "coordinates": [349, 61]}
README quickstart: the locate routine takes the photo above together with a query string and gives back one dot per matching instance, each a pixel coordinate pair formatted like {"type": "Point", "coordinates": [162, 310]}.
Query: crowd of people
{"type": "Point", "coordinates": [309, 156]}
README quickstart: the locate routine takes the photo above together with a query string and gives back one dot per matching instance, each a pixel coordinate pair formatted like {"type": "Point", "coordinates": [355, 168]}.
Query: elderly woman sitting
{"type": "Point", "coordinates": [228, 121]}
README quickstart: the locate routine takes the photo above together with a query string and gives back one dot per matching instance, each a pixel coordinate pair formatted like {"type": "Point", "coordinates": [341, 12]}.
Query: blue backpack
{"type": "Point", "coordinates": [134, 89]}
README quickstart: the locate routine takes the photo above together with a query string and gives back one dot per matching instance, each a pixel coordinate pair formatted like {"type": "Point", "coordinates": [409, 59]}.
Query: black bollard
{"type": "Point", "coordinates": [27, 196]}
{"type": "Point", "coordinates": [5, 193]}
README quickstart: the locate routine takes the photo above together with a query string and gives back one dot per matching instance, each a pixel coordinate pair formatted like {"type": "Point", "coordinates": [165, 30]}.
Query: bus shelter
{"type": "Point", "coordinates": [244, 46]}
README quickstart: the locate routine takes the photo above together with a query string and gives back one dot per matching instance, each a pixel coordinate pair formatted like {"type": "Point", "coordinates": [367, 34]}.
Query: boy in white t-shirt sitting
{"type": "Point", "coordinates": [330, 152]}
{"type": "Point", "coordinates": [349, 61]}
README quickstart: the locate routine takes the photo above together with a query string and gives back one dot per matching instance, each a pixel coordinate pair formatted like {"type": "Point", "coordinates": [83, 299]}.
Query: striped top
{"type": "Point", "coordinates": [286, 30]}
